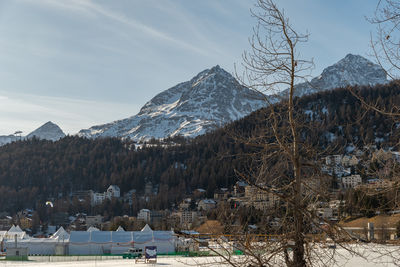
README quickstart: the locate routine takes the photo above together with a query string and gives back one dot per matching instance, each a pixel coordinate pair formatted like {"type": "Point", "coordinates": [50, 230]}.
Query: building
{"type": "Point", "coordinates": [144, 215]}
{"type": "Point", "coordinates": [113, 191]}
{"type": "Point", "coordinates": [221, 194]}
{"type": "Point", "coordinates": [206, 204]}
{"type": "Point", "coordinates": [187, 216]}
{"type": "Point", "coordinates": [260, 199]}
{"type": "Point", "coordinates": [97, 198]}
{"type": "Point", "coordinates": [333, 160]}
{"type": "Point", "coordinates": [185, 204]}
{"type": "Point", "coordinates": [351, 181]}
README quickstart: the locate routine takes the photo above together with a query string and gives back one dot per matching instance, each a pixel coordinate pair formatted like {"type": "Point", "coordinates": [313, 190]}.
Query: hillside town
{"type": "Point", "coordinates": [349, 172]}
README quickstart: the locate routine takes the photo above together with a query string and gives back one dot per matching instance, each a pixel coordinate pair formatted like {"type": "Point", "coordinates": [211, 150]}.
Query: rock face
{"type": "Point", "coordinates": [208, 101]}
{"type": "Point", "coordinates": [48, 131]}
{"type": "Point", "coordinates": [351, 70]}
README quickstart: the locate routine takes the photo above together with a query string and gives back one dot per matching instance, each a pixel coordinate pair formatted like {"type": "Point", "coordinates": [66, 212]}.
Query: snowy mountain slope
{"type": "Point", "coordinates": [208, 101]}
{"type": "Point", "coordinates": [351, 70]}
{"type": "Point", "coordinates": [213, 98]}
{"type": "Point", "coordinates": [48, 131]}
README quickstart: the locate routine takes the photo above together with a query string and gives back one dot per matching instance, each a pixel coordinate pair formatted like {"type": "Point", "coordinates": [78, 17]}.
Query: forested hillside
{"type": "Point", "coordinates": [33, 171]}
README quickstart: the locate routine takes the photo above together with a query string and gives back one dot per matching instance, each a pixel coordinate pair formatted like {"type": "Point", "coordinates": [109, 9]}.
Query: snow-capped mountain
{"type": "Point", "coordinates": [48, 131]}
{"type": "Point", "coordinates": [208, 101]}
{"type": "Point", "coordinates": [351, 70]}
{"type": "Point", "coordinates": [213, 98]}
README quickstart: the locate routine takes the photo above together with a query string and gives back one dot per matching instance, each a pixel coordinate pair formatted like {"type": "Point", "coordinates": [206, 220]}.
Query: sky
{"type": "Point", "coordinates": [80, 63]}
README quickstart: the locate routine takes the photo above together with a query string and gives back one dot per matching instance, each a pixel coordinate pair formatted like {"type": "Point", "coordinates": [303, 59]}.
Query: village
{"type": "Point", "coordinates": [197, 214]}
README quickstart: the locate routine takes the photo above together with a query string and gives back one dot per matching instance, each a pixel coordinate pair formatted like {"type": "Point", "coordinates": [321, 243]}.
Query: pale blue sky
{"type": "Point", "coordinates": [84, 62]}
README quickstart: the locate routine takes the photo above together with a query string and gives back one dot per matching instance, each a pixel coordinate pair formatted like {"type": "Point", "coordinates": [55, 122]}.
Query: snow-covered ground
{"type": "Point", "coordinates": [375, 255]}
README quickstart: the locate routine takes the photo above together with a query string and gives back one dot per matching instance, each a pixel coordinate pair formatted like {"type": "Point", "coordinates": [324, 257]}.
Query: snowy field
{"type": "Point", "coordinates": [387, 256]}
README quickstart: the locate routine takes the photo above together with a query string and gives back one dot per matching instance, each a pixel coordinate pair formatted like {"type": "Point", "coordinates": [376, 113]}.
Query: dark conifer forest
{"type": "Point", "coordinates": [33, 171]}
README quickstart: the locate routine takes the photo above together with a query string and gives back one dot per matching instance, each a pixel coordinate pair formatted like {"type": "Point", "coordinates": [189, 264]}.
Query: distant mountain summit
{"type": "Point", "coordinates": [48, 131]}
{"type": "Point", "coordinates": [208, 101]}
{"type": "Point", "coordinates": [351, 70]}
{"type": "Point", "coordinates": [213, 98]}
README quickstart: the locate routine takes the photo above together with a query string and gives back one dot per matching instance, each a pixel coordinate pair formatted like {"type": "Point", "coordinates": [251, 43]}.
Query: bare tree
{"type": "Point", "coordinates": [286, 183]}
{"type": "Point", "coordinates": [274, 63]}
{"type": "Point", "coordinates": [386, 41]}
{"type": "Point", "coordinates": [283, 169]}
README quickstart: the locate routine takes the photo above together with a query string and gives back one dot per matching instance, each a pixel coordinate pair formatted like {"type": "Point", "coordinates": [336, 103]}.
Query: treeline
{"type": "Point", "coordinates": [33, 171]}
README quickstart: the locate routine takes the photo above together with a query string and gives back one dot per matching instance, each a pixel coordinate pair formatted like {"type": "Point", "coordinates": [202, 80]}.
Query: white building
{"type": "Point", "coordinates": [113, 191]}
{"type": "Point", "coordinates": [144, 215]}
{"type": "Point", "coordinates": [97, 198]}
{"type": "Point", "coordinates": [351, 181]}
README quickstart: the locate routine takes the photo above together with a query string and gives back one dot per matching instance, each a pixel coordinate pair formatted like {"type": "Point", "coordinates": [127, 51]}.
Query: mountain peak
{"type": "Point", "coordinates": [209, 100]}
{"type": "Point", "coordinates": [48, 131]}
{"type": "Point", "coordinates": [350, 70]}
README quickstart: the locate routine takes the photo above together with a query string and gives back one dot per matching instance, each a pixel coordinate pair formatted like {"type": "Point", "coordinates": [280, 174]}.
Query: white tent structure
{"type": "Point", "coordinates": [15, 230]}
{"type": "Point", "coordinates": [2, 235]}
{"type": "Point", "coordinates": [36, 246]}
{"type": "Point", "coordinates": [94, 242]}
{"type": "Point", "coordinates": [103, 242]}
{"type": "Point", "coordinates": [61, 235]}
{"type": "Point", "coordinates": [120, 229]}
{"type": "Point", "coordinates": [92, 229]}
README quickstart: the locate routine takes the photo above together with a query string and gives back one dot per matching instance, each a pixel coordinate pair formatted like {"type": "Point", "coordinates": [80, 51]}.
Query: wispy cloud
{"type": "Point", "coordinates": [91, 8]}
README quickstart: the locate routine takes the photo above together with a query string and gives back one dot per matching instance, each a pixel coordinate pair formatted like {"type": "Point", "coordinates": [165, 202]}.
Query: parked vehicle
{"type": "Point", "coordinates": [133, 253]}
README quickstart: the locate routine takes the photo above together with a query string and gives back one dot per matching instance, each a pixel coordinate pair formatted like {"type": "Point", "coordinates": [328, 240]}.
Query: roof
{"type": "Point", "coordinates": [15, 229]}
{"type": "Point", "coordinates": [144, 210]}
{"type": "Point", "coordinates": [146, 228]}
{"type": "Point", "coordinates": [120, 229]}
{"type": "Point", "coordinates": [102, 237]}
{"type": "Point", "coordinates": [92, 229]}
{"type": "Point", "coordinates": [208, 201]}
{"type": "Point", "coordinates": [114, 187]}
{"type": "Point", "coordinates": [61, 234]}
